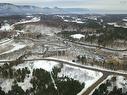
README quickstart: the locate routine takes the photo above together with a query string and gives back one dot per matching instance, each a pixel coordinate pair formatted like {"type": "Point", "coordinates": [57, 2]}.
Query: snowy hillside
{"type": "Point", "coordinates": [43, 29]}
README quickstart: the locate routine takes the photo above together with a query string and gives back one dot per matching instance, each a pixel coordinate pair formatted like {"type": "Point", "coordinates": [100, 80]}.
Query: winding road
{"type": "Point", "coordinates": [94, 46]}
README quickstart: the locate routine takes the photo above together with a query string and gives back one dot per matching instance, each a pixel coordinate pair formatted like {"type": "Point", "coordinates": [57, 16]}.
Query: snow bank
{"type": "Point", "coordinates": [77, 36]}
{"type": "Point", "coordinates": [124, 19]}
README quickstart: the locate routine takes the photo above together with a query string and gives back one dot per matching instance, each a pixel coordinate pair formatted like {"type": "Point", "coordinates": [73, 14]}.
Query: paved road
{"type": "Point", "coordinates": [106, 73]}
{"type": "Point", "coordinates": [6, 41]}
{"type": "Point", "coordinates": [98, 82]}
{"type": "Point", "coordinates": [95, 46]}
{"type": "Point", "coordinates": [111, 72]}
{"type": "Point", "coordinates": [49, 43]}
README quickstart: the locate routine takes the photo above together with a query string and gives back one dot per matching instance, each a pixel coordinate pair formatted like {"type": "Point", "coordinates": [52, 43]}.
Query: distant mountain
{"type": "Point", "coordinates": [57, 10]}
{"type": "Point", "coordinates": [11, 9]}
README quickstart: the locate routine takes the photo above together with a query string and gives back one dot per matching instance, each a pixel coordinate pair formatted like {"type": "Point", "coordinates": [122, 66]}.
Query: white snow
{"type": "Point", "coordinates": [124, 19]}
{"type": "Point", "coordinates": [26, 84]}
{"type": "Point", "coordinates": [43, 29]}
{"type": "Point", "coordinates": [66, 20]}
{"type": "Point", "coordinates": [4, 43]}
{"type": "Point", "coordinates": [53, 81]}
{"type": "Point", "coordinates": [120, 82]}
{"type": "Point", "coordinates": [109, 77]}
{"type": "Point", "coordinates": [83, 75]}
{"type": "Point", "coordinates": [113, 23]}
{"type": "Point", "coordinates": [6, 27]}
{"type": "Point", "coordinates": [5, 40]}
{"type": "Point", "coordinates": [6, 84]}
{"type": "Point", "coordinates": [77, 21]}
{"type": "Point", "coordinates": [17, 46]}
{"type": "Point", "coordinates": [116, 25]}
{"type": "Point", "coordinates": [29, 16]}
{"type": "Point", "coordinates": [46, 65]}
{"type": "Point", "coordinates": [20, 31]}
{"type": "Point", "coordinates": [35, 19]}
{"type": "Point", "coordinates": [79, 74]}
{"type": "Point", "coordinates": [90, 67]}
{"type": "Point", "coordinates": [77, 36]}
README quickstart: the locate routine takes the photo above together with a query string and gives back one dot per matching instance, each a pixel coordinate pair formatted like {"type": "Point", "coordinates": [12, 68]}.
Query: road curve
{"type": "Point", "coordinates": [98, 82]}
{"type": "Point", "coordinates": [106, 73]}
{"type": "Point", "coordinates": [95, 46]}
{"type": "Point", "coordinates": [110, 72]}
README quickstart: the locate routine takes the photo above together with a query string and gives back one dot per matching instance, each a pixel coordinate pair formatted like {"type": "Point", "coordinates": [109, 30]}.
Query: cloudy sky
{"type": "Point", "coordinates": [95, 4]}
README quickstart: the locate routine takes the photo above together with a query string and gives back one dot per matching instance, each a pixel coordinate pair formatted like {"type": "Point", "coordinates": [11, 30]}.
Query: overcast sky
{"type": "Point", "coordinates": [95, 4]}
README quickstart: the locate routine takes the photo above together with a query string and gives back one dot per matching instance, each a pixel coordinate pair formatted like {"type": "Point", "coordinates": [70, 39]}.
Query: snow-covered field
{"type": "Point", "coordinates": [46, 65]}
{"type": "Point", "coordinates": [8, 27]}
{"type": "Point", "coordinates": [10, 46]}
{"type": "Point", "coordinates": [83, 75]}
{"type": "Point", "coordinates": [17, 46]}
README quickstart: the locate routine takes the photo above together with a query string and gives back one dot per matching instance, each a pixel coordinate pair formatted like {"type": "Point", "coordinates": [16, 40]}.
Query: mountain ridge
{"type": "Point", "coordinates": [11, 9]}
